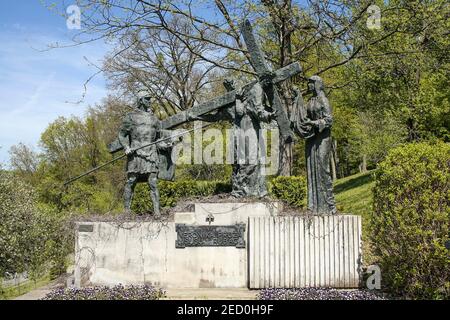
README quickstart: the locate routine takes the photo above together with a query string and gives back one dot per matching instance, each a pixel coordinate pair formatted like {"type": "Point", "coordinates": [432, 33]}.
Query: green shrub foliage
{"type": "Point", "coordinates": [31, 239]}
{"type": "Point", "coordinates": [410, 224]}
{"type": "Point", "coordinates": [171, 192]}
{"type": "Point", "coordinates": [292, 190]}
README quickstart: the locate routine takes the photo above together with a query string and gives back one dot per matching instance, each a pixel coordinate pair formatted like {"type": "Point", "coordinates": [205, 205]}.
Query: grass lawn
{"type": "Point", "coordinates": [15, 291]}
{"type": "Point", "coordinates": [354, 196]}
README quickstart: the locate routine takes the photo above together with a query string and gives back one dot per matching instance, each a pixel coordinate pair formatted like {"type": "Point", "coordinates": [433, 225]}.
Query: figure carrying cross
{"type": "Point", "coordinates": [246, 116]}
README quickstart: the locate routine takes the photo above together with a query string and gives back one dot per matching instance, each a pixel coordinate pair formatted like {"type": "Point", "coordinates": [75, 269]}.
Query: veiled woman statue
{"type": "Point", "coordinates": [313, 122]}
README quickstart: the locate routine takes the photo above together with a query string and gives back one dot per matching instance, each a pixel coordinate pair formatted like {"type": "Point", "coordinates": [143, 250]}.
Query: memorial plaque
{"type": "Point", "coordinates": [210, 236]}
{"type": "Point", "coordinates": [86, 228]}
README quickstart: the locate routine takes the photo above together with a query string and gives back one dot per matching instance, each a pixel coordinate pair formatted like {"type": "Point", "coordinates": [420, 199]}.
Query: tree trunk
{"type": "Point", "coordinates": [335, 157]}
{"type": "Point", "coordinates": [363, 167]}
{"type": "Point", "coordinates": [286, 149]}
{"type": "Point", "coordinates": [286, 159]}
{"type": "Point", "coordinates": [333, 165]}
{"type": "Point", "coordinates": [281, 16]}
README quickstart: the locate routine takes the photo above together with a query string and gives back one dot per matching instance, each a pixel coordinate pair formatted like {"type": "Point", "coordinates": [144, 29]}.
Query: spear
{"type": "Point", "coordinates": [124, 155]}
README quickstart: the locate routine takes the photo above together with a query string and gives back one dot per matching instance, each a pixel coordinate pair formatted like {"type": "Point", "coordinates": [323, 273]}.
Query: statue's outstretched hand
{"type": "Point", "coordinates": [266, 79]}
{"type": "Point", "coordinates": [128, 150]}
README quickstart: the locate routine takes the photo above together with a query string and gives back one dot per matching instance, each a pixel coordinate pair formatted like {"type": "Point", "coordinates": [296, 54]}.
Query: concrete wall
{"type": "Point", "coordinates": [110, 253]}
{"type": "Point", "coordinates": [316, 251]}
{"type": "Point", "coordinates": [144, 252]}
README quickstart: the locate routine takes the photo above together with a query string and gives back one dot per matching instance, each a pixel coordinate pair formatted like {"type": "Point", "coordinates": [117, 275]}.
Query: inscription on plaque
{"type": "Point", "coordinates": [86, 228]}
{"type": "Point", "coordinates": [210, 236]}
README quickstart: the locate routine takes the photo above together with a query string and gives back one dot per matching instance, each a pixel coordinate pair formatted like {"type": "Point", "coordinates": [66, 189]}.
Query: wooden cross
{"type": "Point", "coordinates": [262, 69]}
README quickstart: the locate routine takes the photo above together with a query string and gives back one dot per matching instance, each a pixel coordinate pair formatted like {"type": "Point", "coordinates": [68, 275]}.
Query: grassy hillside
{"type": "Point", "coordinates": [354, 196]}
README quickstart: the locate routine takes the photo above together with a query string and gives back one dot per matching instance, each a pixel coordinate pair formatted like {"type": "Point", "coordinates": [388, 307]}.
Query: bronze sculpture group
{"type": "Point", "coordinates": [246, 108]}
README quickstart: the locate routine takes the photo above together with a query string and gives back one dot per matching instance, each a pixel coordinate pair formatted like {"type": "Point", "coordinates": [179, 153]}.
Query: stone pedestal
{"type": "Point", "coordinates": [110, 253]}
{"type": "Point", "coordinates": [134, 252]}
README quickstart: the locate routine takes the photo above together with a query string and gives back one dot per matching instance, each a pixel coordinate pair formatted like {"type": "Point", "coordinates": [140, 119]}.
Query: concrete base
{"type": "Point", "coordinates": [109, 253]}
{"type": "Point", "coordinates": [210, 294]}
{"type": "Point", "coordinates": [279, 252]}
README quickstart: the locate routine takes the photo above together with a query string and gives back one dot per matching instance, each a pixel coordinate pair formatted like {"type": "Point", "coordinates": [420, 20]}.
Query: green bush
{"type": "Point", "coordinates": [171, 192]}
{"type": "Point", "coordinates": [292, 190]}
{"type": "Point", "coordinates": [410, 222]}
{"type": "Point", "coordinates": [31, 239]}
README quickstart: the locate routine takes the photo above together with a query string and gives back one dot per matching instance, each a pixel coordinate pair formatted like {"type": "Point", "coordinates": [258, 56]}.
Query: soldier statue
{"type": "Point", "coordinates": [139, 131]}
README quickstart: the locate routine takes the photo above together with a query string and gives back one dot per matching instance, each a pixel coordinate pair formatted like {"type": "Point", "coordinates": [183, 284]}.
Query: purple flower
{"type": "Point", "coordinates": [118, 292]}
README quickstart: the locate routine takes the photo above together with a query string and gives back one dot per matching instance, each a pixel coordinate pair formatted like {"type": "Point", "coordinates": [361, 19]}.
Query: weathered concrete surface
{"type": "Point", "coordinates": [144, 252]}
{"type": "Point", "coordinates": [307, 251]}
{"type": "Point", "coordinates": [233, 213]}
{"type": "Point", "coordinates": [211, 294]}
{"type": "Point", "coordinates": [281, 251]}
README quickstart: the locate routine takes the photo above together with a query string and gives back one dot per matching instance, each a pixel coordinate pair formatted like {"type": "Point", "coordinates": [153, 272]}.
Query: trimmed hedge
{"type": "Point", "coordinates": [172, 192]}
{"type": "Point", "coordinates": [292, 190]}
{"type": "Point", "coordinates": [410, 223]}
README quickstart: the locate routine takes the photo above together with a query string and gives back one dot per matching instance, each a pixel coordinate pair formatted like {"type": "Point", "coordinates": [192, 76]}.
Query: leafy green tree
{"type": "Point", "coordinates": [31, 240]}
{"type": "Point", "coordinates": [73, 146]}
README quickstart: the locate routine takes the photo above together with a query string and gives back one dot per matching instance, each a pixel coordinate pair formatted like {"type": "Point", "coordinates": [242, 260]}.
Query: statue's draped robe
{"type": "Point", "coordinates": [246, 116]}
{"type": "Point", "coordinates": [317, 149]}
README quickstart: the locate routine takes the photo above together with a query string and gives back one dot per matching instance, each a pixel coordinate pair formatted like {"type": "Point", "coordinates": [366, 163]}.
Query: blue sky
{"type": "Point", "coordinates": [37, 87]}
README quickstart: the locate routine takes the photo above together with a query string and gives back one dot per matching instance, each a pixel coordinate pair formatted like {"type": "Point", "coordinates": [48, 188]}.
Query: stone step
{"type": "Point", "coordinates": [210, 294]}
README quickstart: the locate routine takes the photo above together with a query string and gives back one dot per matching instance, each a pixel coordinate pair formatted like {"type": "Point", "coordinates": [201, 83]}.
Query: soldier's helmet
{"type": "Point", "coordinates": [143, 99]}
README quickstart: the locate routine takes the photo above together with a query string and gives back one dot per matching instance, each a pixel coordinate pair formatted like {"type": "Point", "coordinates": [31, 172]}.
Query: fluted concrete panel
{"type": "Point", "coordinates": [304, 251]}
